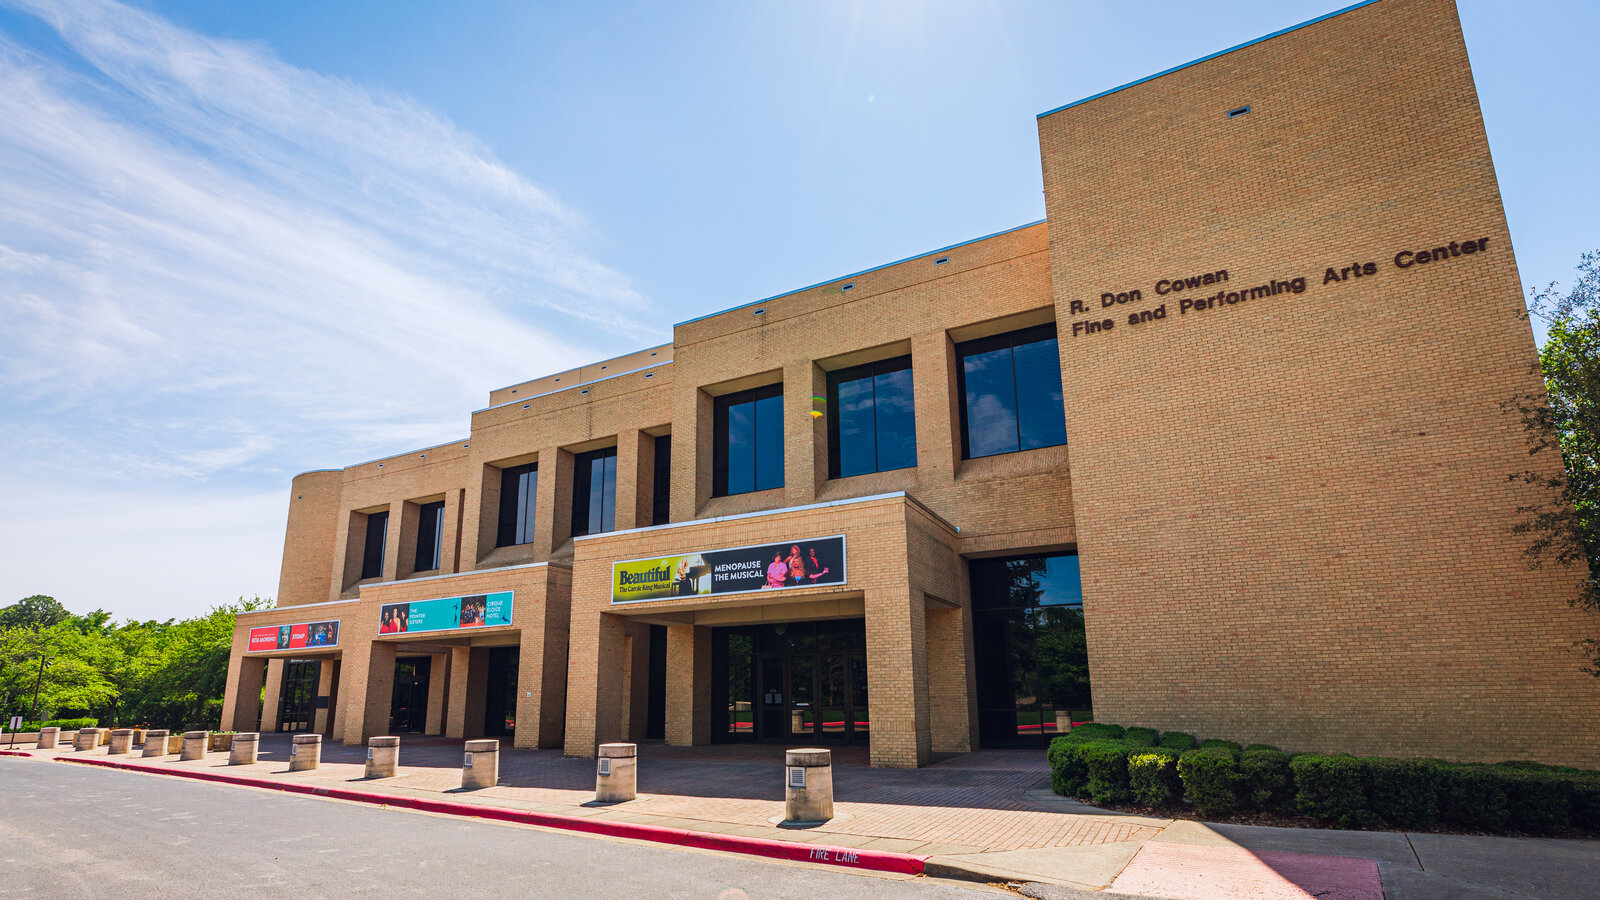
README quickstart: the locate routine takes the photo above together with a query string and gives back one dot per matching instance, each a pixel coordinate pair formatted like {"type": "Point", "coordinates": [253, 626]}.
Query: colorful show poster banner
{"type": "Point", "coordinates": [446, 613]}
{"type": "Point", "coordinates": [294, 637]}
{"type": "Point", "coordinates": [734, 570]}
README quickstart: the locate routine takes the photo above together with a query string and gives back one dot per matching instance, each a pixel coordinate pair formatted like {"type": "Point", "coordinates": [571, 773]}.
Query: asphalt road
{"type": "Point", "coordinates": [76, 831]}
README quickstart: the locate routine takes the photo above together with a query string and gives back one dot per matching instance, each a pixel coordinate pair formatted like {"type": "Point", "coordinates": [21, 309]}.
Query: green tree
{"type": "Point", "coordinates": [1565, 419]}
{"type": "Point", "coordinates": [38, 611]}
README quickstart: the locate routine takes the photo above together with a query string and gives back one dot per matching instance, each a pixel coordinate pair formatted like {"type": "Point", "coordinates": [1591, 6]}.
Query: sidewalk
{"type": "Point", "coordinates": [987, 816]}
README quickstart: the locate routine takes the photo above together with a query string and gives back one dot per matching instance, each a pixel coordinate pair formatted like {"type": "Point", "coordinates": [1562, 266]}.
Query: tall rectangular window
{"type": "Point", "coordinates": [872, 423]}
{"type": "Point", "coordinates": [594, 492]}
{"type": "Point", "coordinates": [1030, 654]}
{"type": "Point", "coordinates": [372, 551]}
{"type": "Point", "coordinates": [1011, 393]}
{"type": "Point", "coordinates": [661, 496]}
{"type": "Point", "coordinates": [747, 452]}
{"type": "Point", "coordinates": [518, 487]}
{"type": "Point", "coordinates": [430, 532]}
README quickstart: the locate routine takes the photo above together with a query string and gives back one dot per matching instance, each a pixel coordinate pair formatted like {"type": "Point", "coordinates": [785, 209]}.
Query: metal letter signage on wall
{"type": "Point", "coordinates": [294, 637]}
{"type": "Point", "coordinates": [446, 613]}
{"type": "Point", "coordinates": [732, 570]}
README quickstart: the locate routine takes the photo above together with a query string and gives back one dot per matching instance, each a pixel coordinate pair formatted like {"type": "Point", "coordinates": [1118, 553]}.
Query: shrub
{"type": "Point", "coordinates": [1584, 806]}
{"type": "Point", "coordinates": [1230, 746]}
{"type": "Point", "coordinates": [1473, 797]}
{"type": "Point", "coordinates": [1210, 780]}
{"type": "Point", "coordinates": [1140, 737]}
{"type": "Point", "coordinates": [1261, 747]}
{"type": "Point", "coordinates": [1402, 792]}
{"type": "Point", "coordinates": [1179, 741]}
{"type": "Point", "coordinates": [1096, 731]}
{"type": "Point", "coordinates": [63, 724]}
{"type": "Point", "coordinates": [1267, 783]}
{"type": "Point", "coordinates": [1330, 788]}
{"type": "Point", "coordinates": [1108, 771]}
{"type": "Point", "coordinates": [1153, 776]}
{"type": "Point", "coordinates": [1069, 774]}
{"type": "Point", "coordinates": [1537, 801]}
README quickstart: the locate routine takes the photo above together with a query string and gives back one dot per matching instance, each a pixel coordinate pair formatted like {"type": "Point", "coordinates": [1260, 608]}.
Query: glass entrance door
{"type": "Point", "coordinates": [408, 711]}
{"type": "Point", "coordinates": [810, 681]}
{"type": "Point", "coordinates": [297, 701]}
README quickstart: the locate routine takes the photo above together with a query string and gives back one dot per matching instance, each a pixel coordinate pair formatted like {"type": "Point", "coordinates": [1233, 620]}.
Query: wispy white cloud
{"type": "Point", "coordinates": [217, 268]}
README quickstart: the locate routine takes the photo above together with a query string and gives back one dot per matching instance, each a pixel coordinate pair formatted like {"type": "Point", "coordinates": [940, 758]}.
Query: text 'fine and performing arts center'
{"type": "Point", "coordinates": [1218, 446]}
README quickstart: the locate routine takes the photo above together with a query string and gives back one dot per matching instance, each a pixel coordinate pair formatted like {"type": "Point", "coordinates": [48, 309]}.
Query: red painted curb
{"type": "Point", "coordinates": [844, 857]}
{"type": "Point", "coordinates": [15, 753]}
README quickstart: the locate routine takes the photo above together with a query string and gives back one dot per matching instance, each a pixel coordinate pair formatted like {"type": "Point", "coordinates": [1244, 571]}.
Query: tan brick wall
{"type": "Point", "coordinates": [1293, 512]}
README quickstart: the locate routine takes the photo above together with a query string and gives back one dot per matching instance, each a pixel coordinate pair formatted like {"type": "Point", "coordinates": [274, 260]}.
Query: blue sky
{"type": "Point", "coordinates": [239, 241]}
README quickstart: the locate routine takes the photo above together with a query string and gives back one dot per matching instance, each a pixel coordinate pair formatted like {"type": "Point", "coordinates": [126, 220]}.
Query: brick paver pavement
{"type": "Point", "coordinates": [967, 803]}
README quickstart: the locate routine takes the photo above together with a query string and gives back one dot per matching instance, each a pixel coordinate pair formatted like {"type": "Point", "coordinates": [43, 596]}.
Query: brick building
{"type": "Point", "coordinates": [1217, 446]}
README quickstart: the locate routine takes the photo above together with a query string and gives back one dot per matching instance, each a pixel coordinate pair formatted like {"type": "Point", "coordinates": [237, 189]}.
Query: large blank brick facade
{"type": "Point", "coordinates": [1288, 313]}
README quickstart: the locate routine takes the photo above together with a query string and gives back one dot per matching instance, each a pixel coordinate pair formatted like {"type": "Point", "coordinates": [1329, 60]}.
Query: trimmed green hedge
{"type": "Point", "coordinates": [1107, 764]}
{"type": "Point", "coordinates": [1177, 740]}
{"type": "Point", "coordinates": [63, 724]}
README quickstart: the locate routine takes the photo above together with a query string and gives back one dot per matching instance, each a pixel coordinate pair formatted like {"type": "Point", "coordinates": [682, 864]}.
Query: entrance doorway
{"type": "Point", "coordinates": [791, 681]}
{"type": "Point", "coordinates": [500, 701]}
{"type": "Point", "coordinates": [408, 711]}
{"type": "Point", "coordinates": [297, 700]}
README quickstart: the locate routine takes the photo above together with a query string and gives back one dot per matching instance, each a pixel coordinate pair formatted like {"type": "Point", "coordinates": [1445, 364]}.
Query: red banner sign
{"type": "Point", "coordinates": [294, 637]}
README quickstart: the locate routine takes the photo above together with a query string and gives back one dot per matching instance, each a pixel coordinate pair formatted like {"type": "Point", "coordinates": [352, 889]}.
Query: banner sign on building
{"type": "Point", "coordinates": [446, 613]}
{"type": "Point", "coordinates": [735, 570]}
{"type": "Point", "coordinates": [294, 637]}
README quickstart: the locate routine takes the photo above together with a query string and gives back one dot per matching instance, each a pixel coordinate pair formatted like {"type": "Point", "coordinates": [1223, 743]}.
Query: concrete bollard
{"type": "Point", "coordinates": [174, 743]}
{"type": "Point", "coordinates": [155, 743]}
{"type": "Point", "coordinates": [383, 757]}
{"type": "Point", "coordinates": [808, 785]}
{"type": "Point", "coordinates": [480, 765]}
{"type": "Point", "coordinates": [616, 773]}
{"type": "Point", "coordinates": [194, 745]}
{"type": "Point", "coordinates": [138, 736]}
{"type": "Point", "coordinates": [305, 753]}
{"type": "Point", "coordinates": [85, 739]}
{"type": "Point", "coordinates": [244, 749]}
{"type": "Point", "coordinates": [48, 737]}
{"type": "Point", "coordinates": [121, 741]}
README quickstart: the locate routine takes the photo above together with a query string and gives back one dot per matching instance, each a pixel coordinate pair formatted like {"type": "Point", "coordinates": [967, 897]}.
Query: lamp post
{"type": "Point", "coordinates": [44, 663]}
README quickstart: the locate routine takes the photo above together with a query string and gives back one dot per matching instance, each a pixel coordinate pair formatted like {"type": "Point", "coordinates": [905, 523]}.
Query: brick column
{"type": "Point", "coordinates": [805, 444]}
{"type": "Point", "coordinates": [320, 717]}
{"type": "Point", "coordinates": [437, 680]}
{"type": "Point", "coordinates": [897, 678]}
{"type": "Point", "coordinates": [594, 682]}
{"type": "Point", "coordinates": [689, 685]}
{"type": "Point", "coordinates": [240, 710]}
{"type": "Point", "coordinates": [480, 518]}
{"type": "Point", "coordinates": [552, 524]}
{"type": "Point", "coordinates": [636, 679]}
{"type": "Point", "coordinates": [369, 683]}
{"type": "Point", "coordinates": [392, 534]}
{"type": "Point", "coordinates": [451, 532]}
{"type": "Point", "coordinates": [636, 452]}
{"type": "Point", "coordinates": [460, 671]}
{"type": "Point", "coordinates": [274, 687]}
{"type": "Point", "coordinates": [933, 374]}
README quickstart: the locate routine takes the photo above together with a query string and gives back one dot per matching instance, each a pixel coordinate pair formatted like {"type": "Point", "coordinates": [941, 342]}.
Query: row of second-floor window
{"type": "Point", "coordinates": [594, 494]}
{"type": "Point", "coordinates": [1010, 387]}
{"type": "Point", "coordinates": [1010, 400]}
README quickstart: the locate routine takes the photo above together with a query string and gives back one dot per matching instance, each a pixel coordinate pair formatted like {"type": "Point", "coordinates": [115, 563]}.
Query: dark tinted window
{"type": "Point", "coordinates": [430, 529]}
{"type": "Point", "coordinates": [1011, 393]}
{"type": "Point", "coordinates": [661, 496]}
{"type": "Point", "coordinates": [748, 448]}
{"type": "Point", "coordinates": [372, 551]}
{"type": "Point", "coordinates": [518, 487]}
{"type": "Point", "coordinates": [872, 424]}
{"type": "Point", "coordinates": [594, 492]}
{"type": "Point", "coordinates": [1031, 654]}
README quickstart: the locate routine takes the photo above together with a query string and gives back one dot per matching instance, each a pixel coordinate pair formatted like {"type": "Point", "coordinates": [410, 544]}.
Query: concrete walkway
{"type": "Point", "coordinates": [986, 816]}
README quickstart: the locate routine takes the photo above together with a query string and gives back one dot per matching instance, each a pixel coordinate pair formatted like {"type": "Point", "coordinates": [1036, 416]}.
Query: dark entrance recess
{"type": "Point", "coordinates": [791, 681]}
{"type": "Point", "coordinates": [1031, 656]}
{"type": "Point", "coordinates": [655, 710]}
{"type": "Point", "coordinates": [297, 701]}
{"type": "Point", "coordinates": [408, 714]}
{"type": "Point", "coordinates": [500, 703]}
